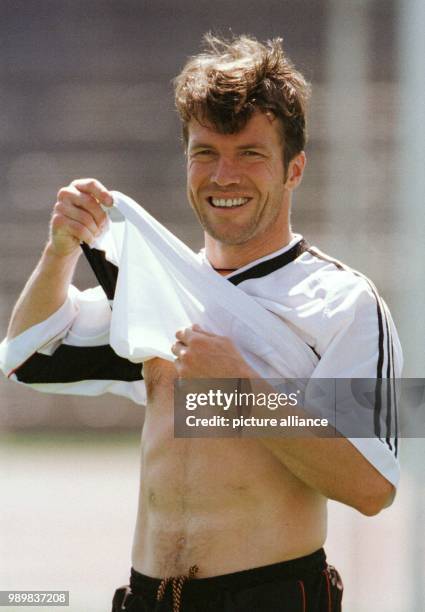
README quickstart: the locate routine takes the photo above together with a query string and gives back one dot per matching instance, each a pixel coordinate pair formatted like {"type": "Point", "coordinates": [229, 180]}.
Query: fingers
{"type": "Point", "coordinates": [190, 333]}
{"type": "Point", "coordinates": [78, 215]}
{"type": "Point", "coordinates": [190, 348]}
{"type": "Point", "coordinates": [199, 329]}
{"type": "Point", "coordinates": [69, 210]}
{"type": "Point", "coordinates": [179, 349]}
{"type": "Point", "coordinates": [203, 355]}
{"type": "Point", "coordinates": [80, 194]}
{"type": "Point", "coordinates": [63, 228]}
{"type": "Point", "coordinates": [94, 188]}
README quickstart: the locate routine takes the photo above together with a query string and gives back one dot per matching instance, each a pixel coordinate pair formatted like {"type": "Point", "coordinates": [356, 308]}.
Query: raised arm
{"type": "Point", "coordinates": [77, 217]}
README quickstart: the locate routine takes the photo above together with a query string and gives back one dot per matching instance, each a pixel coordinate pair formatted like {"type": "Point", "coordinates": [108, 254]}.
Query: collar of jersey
{"type": "Point", "coordinates": [269, 263]}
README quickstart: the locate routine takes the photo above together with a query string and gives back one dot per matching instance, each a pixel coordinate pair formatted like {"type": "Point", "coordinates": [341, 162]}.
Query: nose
{"type": "Point", "coordinates": [226, 173]}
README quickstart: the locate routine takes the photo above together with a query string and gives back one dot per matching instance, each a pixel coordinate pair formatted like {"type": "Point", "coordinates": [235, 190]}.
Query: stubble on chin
{"type": "Point", "coordinates": [231, 237]}
{"type": "Point", "coordinates": [238, 236]}
{"type": "Point", "coordinates": [234, 235]}
{"type": "Point", "coordinates": [229, 234]}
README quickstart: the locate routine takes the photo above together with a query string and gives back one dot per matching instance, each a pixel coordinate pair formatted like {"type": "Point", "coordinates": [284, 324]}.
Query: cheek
{"type": "Point", "coordinates": [195, 176]}
{"type": "Point", "coordinates": [193, 183]}
{"type": "Point", "coordinates": [263, 180]}
{"type": "Point", "coordinates": [264, 174]}
{"type": "Point", "coordinates": [274, 179]}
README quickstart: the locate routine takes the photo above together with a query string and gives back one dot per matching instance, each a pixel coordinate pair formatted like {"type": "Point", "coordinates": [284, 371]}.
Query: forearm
{"type": "Point", "coordinates": [45, 291]}
{"type": "Point", "coordinates": [335, 468]}
{"type": "Point", "coordinates": [77, 217]}
{"type": "Point", "coordinates": [330, 464]}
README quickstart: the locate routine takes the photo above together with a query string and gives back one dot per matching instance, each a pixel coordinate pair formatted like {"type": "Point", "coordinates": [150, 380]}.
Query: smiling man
{"type": "Point", "coordinates": [236, 184]}
{"type": "Point", "coordinates": [225, 524]}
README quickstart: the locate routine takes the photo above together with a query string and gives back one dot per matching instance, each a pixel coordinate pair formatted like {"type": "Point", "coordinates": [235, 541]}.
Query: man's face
{"type": "Point", "coordinates": [235, 182]}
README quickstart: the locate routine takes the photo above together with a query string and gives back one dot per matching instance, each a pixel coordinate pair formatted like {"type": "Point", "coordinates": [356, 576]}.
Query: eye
{"type": "Point", "coordinates": [251, 153]}
{"type": "Point", "coordinates": [203, 152]}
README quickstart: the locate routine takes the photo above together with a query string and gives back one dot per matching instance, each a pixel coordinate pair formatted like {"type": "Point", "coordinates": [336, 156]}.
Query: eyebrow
{"type": "Point", "coordinates": [200, 145]}
{"type": "Point", "coordinates": [253, 145]}
{"type": "Point", "coordinates": [204, 145]}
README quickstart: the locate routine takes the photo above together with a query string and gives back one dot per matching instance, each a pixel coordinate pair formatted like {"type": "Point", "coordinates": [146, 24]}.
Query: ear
{"type": "Point", "coordinates": [295, 171]}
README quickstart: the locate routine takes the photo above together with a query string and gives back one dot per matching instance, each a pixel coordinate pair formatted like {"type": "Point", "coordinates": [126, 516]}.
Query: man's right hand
{"type": "Point", "coordinates": [77, 216]}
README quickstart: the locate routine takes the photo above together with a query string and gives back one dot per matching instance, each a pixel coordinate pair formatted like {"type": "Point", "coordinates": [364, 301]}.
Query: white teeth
{"type": "Point", "coordinates": [228, 202]}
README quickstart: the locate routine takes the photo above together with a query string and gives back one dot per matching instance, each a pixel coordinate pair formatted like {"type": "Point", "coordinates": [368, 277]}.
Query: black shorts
{"type": "Point", "coordinates": [306, 584]}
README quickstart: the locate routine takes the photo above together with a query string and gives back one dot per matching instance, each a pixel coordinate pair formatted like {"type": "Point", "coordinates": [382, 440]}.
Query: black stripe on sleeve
{"type": "Point", "coordinates": [105, 271]}
{"type": "Point", "coordinates": [394, 389]}
{"type": "Point", "coordinates": [395, 403]}
{"type": "Point", "coordinates": [388, 391]}
{"type": "Point", "coordinates": [381, 316]}
{"type": "Point", "coordinates": [340, 266]}
{"type": "Point", "coordinates": [379, 370]}
{"type": "Point", "coordinates": [75, 363]}
{"type": "Point", "coordinates": [71, 364]}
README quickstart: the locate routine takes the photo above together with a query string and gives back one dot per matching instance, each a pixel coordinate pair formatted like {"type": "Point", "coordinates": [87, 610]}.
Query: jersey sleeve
{"type": "Point", "coordinates": [70, 353]}
{"type": "Point", "coordinates": [363, 348]}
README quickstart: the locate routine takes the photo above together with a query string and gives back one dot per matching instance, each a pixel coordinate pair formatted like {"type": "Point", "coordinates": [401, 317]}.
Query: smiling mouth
{"type": "Point", "coordinates": [228, 202]}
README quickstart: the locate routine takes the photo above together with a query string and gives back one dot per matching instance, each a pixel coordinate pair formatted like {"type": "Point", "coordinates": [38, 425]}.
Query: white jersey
{"type": "Point", "coordinates": [334, 311]}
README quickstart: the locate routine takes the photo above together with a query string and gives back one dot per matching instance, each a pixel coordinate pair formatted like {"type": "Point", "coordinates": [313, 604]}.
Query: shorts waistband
{"type": "Point", "coordinates": [286, 570]}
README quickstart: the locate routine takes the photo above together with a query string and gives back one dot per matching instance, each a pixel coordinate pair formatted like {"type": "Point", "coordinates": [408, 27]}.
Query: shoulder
{"type": "Point", "coordinates": [356, 323]}
{"type": "Point", "coordinates": [341, 287]}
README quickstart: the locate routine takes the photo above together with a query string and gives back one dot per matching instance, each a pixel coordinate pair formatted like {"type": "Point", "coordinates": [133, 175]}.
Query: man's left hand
{"type": "Point", "coordinates": [204, 355]}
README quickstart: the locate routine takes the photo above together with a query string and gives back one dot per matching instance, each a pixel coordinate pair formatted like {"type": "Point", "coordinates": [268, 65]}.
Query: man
{"type": "Point", "coordinates": [224, 524]}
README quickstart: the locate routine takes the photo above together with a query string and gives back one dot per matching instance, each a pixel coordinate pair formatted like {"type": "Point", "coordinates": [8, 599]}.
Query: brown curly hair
{"type": "Point", "coordinates": [230, 80]}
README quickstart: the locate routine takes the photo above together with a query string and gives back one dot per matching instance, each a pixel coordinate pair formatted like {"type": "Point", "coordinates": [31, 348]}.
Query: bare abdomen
{"type": "Point", "coordinates": [222, 504]}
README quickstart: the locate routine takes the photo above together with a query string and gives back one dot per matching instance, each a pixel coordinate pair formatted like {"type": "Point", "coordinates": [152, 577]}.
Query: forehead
{"type": "Point", "coordinates": [261, 129]}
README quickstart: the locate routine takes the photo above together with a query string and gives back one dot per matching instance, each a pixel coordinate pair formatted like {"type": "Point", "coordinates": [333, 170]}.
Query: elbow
{"type": "Point", "coordinates": [373, 501]}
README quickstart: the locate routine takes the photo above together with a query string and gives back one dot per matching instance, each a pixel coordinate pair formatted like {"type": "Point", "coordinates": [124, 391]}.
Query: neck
{"type": "Point", "coordinates": [227, 257]}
